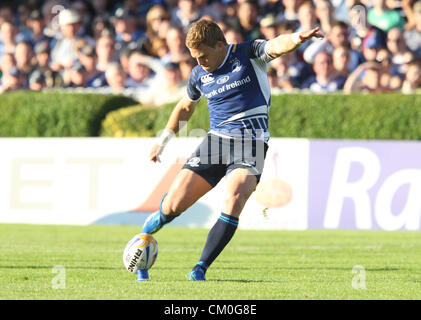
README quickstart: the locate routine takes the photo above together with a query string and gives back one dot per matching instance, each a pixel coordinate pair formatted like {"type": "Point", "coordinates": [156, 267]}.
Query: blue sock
{"type": "Point", "coordinates": [157, 220]}
{"type": "Point", "coordinates": [219, 236]}
{"type": "Point", "coordinates": [167, 218]}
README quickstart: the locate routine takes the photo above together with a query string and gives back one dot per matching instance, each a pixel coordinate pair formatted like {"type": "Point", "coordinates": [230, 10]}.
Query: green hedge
{"type": "Point", "coordinates": [135, 121]}
{"type": "Point", "coordinates": [337, 116]}
{"type": "Point", "coordinates": [144, 121]}
{"type": "Point", "coordinates": [37, 114]}
{"type": "Point", "coordinates": [357, 116]}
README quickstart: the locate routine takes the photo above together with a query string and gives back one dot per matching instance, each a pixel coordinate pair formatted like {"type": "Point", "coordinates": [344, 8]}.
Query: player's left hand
{"type": "Point", "coordinates": [306, 35]}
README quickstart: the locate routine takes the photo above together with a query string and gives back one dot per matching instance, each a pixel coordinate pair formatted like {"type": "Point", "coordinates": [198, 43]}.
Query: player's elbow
{"type": "Point", "coordinates": [186, 107]}
{"type": "Point", "coordinates": [273, 48]}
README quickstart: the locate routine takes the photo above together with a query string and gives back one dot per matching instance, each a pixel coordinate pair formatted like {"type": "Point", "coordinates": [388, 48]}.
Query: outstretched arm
{"type": "Point", "coordinates": [285, 43]}
{"type": "Point", "coordinates": [180, 115]}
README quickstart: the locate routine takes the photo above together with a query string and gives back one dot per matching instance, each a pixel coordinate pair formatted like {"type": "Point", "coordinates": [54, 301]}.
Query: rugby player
{"type": "Point", "coordinates": [233, 78]}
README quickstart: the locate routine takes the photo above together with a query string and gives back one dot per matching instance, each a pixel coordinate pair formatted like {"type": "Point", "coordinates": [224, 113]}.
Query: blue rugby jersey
{"type": "Point", "coordinates": [238, 92]}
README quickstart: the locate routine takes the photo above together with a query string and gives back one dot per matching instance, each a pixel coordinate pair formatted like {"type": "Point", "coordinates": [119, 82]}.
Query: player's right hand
{"type": "Point", "coordinates": [304, 36]}
{"type": "Point", "coordinates": [155, 153]}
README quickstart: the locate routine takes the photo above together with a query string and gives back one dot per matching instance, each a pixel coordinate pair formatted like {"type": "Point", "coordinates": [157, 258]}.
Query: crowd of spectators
{"type": "Point", "coordinates": [136, 47]}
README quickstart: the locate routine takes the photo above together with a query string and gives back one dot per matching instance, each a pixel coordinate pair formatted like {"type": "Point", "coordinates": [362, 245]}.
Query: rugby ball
{"type": "Point", "coordinates": [140, 252]}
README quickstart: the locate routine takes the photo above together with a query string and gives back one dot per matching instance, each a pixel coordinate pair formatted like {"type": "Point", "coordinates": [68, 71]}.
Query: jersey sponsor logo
{"type": "Point", "coordinates": [207, 79]}
{"type": "Point", "coordinates": [237, 83]}
{"type": "Point", "coordinates": [222, 80]}
{"type": "Point", "coordinates": [228, 86]}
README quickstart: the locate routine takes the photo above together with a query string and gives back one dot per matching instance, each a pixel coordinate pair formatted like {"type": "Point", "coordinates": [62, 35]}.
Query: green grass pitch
{"type": "Point", "coordinates": [274, 265]}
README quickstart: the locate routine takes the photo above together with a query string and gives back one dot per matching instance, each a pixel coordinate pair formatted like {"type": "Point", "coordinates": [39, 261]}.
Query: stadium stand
{"type": "Point", "coordinates": [131, 47]}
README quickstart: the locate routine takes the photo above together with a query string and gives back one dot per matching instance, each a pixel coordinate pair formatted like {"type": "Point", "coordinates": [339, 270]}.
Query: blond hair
{"type": "Point", "coordinates": [204, 32]}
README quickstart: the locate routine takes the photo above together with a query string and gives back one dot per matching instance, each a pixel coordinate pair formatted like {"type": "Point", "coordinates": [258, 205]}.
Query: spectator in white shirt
{"type": "Point", "coordinates": [63, 55]}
